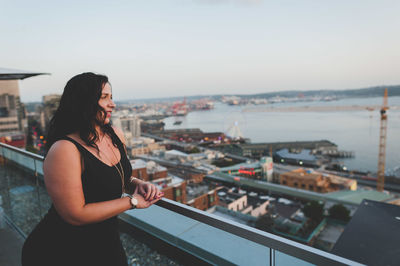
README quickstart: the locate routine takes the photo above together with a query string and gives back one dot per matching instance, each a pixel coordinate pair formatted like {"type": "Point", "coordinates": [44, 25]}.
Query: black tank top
{"type": "Point", "coordinates": [56, 242]}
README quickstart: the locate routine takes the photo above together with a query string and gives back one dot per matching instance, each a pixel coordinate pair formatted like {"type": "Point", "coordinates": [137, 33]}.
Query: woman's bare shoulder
{"type": "Point", "coordinates": [63, 148]}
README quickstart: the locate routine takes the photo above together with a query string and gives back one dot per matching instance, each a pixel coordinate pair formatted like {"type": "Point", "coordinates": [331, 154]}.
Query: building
{"type": "Point", "coordinates": [201, 196]}
{"type": "Point", "coordinates": [139, 169]}
{"type": "Point", "coordinates": [231, 200]}
{"type": "Point", "coordinates": [258, 150]}
{"type": "Point", "coordinates": [148, 171]}
{"type": "Point", "coordinates": [130, 125]}
{"type": "Point", "coordinates": [143, 145]}
{"type": "Point", "coordinates": [13, 118]}
{"type": "Point", "coordinates": [238, 201]}
{"type": "Point", "coordinates": [304, 157]}
{"type": "Point", "coordinates": [371, 237]}
{"type": "Point", "coordinates": [315, 181]}
{"type": "Point", "coordinates": [50, 105]}
{"type": "Point", "coordinates": [261, 170]}
{"type": "Point", "coordinates": [174, 188]}
{"type": "Point", "coordinates": [195, 135]}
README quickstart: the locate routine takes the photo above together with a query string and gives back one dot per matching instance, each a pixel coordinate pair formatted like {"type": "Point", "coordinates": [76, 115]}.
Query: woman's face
{"type": "Point", "coordinates": [106, 102]}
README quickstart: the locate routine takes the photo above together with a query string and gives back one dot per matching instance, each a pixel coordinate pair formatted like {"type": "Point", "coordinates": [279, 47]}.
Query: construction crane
{"type": "Point", "coordinates": [382, 144]}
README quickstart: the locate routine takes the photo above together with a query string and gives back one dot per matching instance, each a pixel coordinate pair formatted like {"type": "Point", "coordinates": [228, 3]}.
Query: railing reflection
{"type": "Point", "coordinates": [25, 201]}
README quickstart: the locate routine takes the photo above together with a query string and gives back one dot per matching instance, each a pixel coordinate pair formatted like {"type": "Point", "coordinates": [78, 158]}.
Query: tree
{"type": "Point", "coordinates": [265, 223]}
{"type": "Point", "coordinates": [314, 210]}
{"type": "Point", "coordinates": [339, 212]}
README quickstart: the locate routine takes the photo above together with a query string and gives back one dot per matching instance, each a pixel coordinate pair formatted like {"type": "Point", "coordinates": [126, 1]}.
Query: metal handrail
{"type": "Point", "coordinates": [21, 151]}
{"type": "Point", "coordinates": [269, 240]}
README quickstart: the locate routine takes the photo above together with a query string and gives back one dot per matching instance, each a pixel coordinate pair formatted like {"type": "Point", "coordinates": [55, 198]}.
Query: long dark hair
{"type": "Point", "coordinates": [79, 111]}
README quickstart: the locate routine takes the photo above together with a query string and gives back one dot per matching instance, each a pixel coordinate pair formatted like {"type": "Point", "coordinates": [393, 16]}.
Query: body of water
{"type": "Point", "coordinates": [356, 131]}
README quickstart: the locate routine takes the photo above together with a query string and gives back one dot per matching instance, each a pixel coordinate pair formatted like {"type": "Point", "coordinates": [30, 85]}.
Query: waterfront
{"type": "Point", "coordinates": [356, 131]}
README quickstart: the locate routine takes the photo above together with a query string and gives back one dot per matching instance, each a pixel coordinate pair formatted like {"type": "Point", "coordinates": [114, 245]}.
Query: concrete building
{"type": "Point", "coordinates": [143, 145]}
{"type": "Point", "coordinates": [130, 125]}
{"type": "Point", "coordinates": [50, 105]}
{"type": "Point", "coordinates": [315, 181]}
{"type": "Point", "coordinates": [13, 118]}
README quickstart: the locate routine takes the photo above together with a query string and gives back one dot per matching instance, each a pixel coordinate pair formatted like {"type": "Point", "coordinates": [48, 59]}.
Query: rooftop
{"type": "Point", "coordinates": [12, 74]}
{"type": "Point", "coordinates": [304, 155]}
{"type": "Point", "coordinates": [138, 164]}
{"type": "Point", "coordinates": [372, 236]}
{"type": "Point", "coordinates": [359, 195]}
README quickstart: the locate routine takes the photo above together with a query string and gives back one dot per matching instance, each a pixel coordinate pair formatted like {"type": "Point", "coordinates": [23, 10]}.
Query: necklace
{"type": "Point", "coordinates": [120, 172]}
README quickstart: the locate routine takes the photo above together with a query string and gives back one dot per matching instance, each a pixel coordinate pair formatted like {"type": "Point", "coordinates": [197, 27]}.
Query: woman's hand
{"type": "Point", "coordinates": [148, 191]}
{"type": "Point", "coordinates": [142, 203]}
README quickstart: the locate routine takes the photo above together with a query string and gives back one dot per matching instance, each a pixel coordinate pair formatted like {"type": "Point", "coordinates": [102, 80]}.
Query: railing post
{"type": "Point", "coordinates": [7, 181]}
{"type": "Point", "coordinates": [38, 189]}
{"type": "Point", "coordinates": [271, 257]}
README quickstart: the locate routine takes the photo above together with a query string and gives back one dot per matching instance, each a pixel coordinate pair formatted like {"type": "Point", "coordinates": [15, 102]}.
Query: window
{"type": "Point", "coordinates": [295, 184]}
{"type": "Point", "coordinates": [284, 182]}
{"type": "Point", "coordinates": [211, 198]}
{"type": "Point", "coordinates": [177, 192]}
{"type": "Point", "coordinates": [311, 187]}
{"type": "Point", "coordinates": [303, 186]}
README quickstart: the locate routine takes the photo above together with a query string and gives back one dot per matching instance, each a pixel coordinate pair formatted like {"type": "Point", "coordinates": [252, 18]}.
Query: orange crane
{"type": "Point", "coordinates": [382, 144]}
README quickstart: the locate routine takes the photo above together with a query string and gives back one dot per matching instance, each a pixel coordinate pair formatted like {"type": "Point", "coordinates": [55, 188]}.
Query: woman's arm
{"type": "Point", "coordinates": [62, 175]}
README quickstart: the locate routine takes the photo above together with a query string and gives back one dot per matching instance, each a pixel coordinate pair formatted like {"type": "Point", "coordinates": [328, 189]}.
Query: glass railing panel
{"type": "Point", "coordinates": [39, 167]}
{"type": "Point", "coordinates": [19, 193]}
{"type": "Point", "coordinates": [139, 253]}
{"type": "Point", "coordinates": [25, 201]}
{"type": "Point", "coordinates": [211, 244]}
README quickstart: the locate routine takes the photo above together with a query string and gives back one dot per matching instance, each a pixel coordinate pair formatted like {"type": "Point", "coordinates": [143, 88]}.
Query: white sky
{"type": "Point", "coordinates": [159, 48]}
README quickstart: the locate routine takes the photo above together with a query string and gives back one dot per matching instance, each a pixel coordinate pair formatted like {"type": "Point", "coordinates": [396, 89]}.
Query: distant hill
{"type": "Point", "coordinates": [351, 93]}
{"type": "Point", "coordinates": [376, 91]}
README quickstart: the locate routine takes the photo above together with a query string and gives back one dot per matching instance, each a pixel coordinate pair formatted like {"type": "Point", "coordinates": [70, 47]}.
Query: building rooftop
{"type": "Point", "coordinates": [359, 195]}
{"type": "Point", "coordinates": [176, 153]}
{"type": "Point", "coordinates": [195, 190]}
{"type": "Point", "coordinates": [169, 181]}
{"type": "Point", "coordinates": [12, 74]}
{"type": "Point", "coordinates": [304, 155]}
{"type": "Point", "coordinates": [240, 165]}
{"type": "Point", "coordinates": [303, 173]}
{"type": "Point", "coordinates": [372, 235]}
{"type": "Point", "coordinates": [138, 164]}
{"type": "Point", "coordinates": [227, 196]}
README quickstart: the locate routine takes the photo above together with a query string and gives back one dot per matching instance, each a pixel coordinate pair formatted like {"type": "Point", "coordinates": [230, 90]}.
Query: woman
{"type": "Point", "coordinates": [86, 170]}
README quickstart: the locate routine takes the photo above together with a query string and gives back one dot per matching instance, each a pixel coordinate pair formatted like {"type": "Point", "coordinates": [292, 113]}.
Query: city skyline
{"type": "Point", "coordinates": [157, 49]}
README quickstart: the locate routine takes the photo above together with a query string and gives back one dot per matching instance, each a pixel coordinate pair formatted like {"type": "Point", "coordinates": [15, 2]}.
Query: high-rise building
{"type": "Point", "coordinates": [13, 119]}
{"type": "Point", "coordinates": [50, 105]}
{"type": "Point", "coordinates": [130, 125]}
